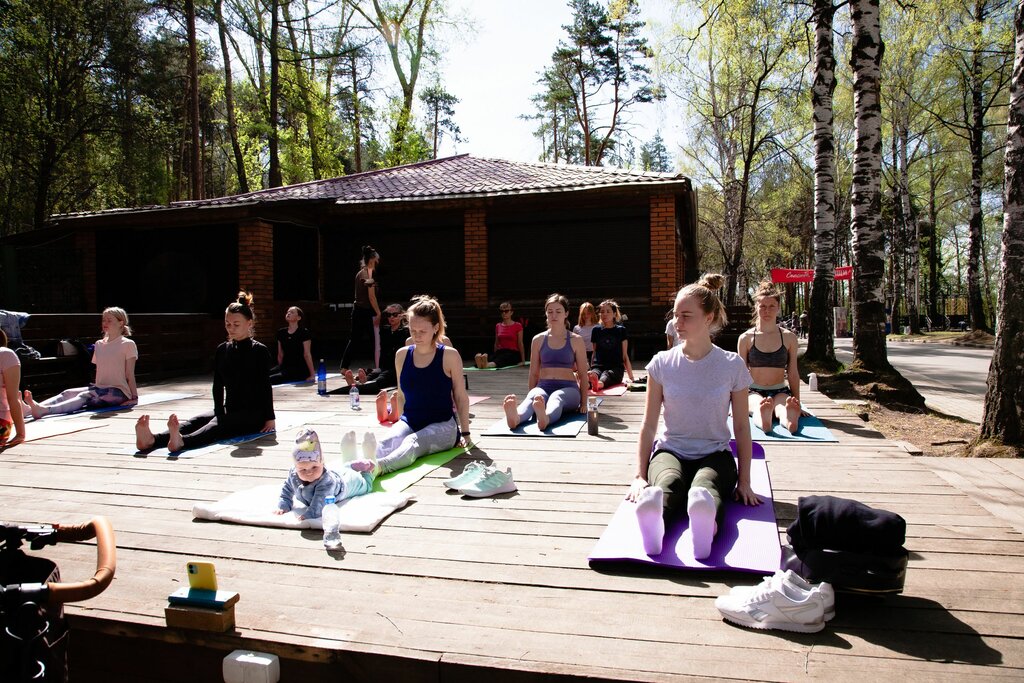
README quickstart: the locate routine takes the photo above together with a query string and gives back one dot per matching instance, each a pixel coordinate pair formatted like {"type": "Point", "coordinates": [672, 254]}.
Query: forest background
{"type": "Point", "coordinates": [98, 110]}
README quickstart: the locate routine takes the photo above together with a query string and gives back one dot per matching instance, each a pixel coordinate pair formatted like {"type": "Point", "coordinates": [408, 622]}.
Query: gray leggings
{"type": "Point", "coordinates": [715, 472]}
{"type": "Point", "coordinates": [402, 445]}
{"type": "Point", "coordinates": [555, 403]}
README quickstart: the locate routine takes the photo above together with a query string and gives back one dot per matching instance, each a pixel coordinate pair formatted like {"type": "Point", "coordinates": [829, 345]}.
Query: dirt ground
{"type": "Point", "coordinates": [932, 433]}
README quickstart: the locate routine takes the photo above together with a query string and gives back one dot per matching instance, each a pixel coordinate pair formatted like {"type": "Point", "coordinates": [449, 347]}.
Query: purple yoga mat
{"type": "Point", "coordinates": [747, 539]}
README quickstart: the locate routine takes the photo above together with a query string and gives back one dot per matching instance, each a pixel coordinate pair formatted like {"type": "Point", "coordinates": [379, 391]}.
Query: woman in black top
{"type": "Point", "coordinates": [294, 354]}
{"type": "Point", "coordinates": [365, 309]}
{"type": "Point", "coordinates": [393, 335]}
{"type": "Point", "coordinates": [243, 399]}
{"type": "Point", "coordinates": [610, 342]}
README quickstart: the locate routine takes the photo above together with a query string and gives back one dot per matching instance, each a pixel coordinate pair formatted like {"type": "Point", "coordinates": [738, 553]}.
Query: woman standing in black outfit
{"type": "Point", "coordinates": [365, 309]}
{"type": "Point", "coordinates": [243, 400]}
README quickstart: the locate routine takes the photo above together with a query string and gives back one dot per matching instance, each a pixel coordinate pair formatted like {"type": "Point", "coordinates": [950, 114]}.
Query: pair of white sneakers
{"type": "Point", "coordinates": [784, 601]}
{"type": "Point", "coordinates": [480, 480]}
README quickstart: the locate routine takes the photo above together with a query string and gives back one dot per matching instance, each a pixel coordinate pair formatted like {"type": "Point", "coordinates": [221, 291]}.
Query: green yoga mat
{"type": "Point", "coordinates": [402, 479]}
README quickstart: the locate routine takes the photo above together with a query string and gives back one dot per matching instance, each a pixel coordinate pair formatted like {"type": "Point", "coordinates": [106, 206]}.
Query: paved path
{"type": "Point", "coordinates": [952, 379]}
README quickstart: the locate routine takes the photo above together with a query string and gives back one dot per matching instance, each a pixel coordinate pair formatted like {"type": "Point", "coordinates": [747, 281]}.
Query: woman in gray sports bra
{"type": "Point", "coordinates": [558, 377]}
{"type": "Point", "coordinates": [770, 353]}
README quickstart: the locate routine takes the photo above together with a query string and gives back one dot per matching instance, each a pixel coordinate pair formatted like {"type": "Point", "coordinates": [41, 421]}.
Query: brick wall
{"type": "Point", "coordinates": [256, 273]}
{"type": "Point", "coordinates": [665, 266]}
{"type": "Point", "coordinates": [85, 245]}
{"type": "Point", "coordinates": [475, 237]}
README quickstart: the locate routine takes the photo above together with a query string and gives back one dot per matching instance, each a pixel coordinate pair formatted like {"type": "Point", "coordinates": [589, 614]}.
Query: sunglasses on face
{"type": "Point", "coordinates": [505, 310]}
{"type": "Point", "coordinates": [393, 314]}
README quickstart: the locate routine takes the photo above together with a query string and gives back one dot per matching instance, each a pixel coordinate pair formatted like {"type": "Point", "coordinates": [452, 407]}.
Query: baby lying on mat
{"type": "Point", "coordinates": [311, 483]}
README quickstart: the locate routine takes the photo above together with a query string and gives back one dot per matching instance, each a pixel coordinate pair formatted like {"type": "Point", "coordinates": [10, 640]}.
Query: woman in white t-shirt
{"type": "Point", "coordinates": [114, 357]}
{"type": "Point", "coordinates": [689, 465]}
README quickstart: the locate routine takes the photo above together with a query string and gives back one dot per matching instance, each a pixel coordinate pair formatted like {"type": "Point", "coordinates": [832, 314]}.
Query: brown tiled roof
{"type": "Point", "coordinates": [462, 176]}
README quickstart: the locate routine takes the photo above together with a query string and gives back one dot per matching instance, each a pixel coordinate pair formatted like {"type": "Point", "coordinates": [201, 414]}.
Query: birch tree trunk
{"type": "Point", "coordinates": [865, 204]}
{"type": "Point", "coordinates": [820, 340]}
{"type": "Point", "coordinates": [274, 178]}
{"type": "Point", "coordinates": [975, 304]}
{"type": "Point", "coordinates": [1004, 400]}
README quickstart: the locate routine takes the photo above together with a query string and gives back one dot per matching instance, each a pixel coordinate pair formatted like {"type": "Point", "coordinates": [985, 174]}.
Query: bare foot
{"type": "Point", "coordinates": [370, 446]}
{"type": "Point", "coordinates": [540, 411]}
{"type": "Point", "coordinates": [144, 439]}
{"type": "Point", "coordinates": [37, 410]}
{"type": "Point", "coordinates": [382, 406]}
{"type": "Point", "coordinates": [396, 410]}
{"type": "Point", "coordinates": [511, 416]}
{"type": "Point", "coordinates": [481, 360]}
{"type": "Point", "coordinates": [349, 378]}
{"type": "Point", "coordinates": [175, 443]}
{"type": "Point", "coordinates": [767, 408]}
{"type": "Point", "coordinates": [361, 376]}
{"type": "Point", "coordinates": [793, 415]}
{"type": "Point", "coordinates": [594, 382]}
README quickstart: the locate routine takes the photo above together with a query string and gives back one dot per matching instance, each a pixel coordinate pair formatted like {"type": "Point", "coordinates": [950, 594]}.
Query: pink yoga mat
{"type": "Point", "coordinates": [613, 390]}
{"type": "Point", "coordinates": [747, 540]}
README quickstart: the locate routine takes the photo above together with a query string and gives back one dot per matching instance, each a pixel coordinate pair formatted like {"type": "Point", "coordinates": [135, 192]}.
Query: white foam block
{"type": "Point", "coordinates": [245, 666]}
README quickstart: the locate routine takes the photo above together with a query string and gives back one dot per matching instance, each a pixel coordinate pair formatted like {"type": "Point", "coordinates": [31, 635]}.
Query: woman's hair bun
{"type": "Point", "coordinates": [245, 298]}
{"type": "Point", "coordinates": [712, 281]}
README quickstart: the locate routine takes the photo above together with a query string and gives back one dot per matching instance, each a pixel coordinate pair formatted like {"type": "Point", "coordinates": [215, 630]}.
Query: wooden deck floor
{"type": "Point", "coordinates": [457, 589]}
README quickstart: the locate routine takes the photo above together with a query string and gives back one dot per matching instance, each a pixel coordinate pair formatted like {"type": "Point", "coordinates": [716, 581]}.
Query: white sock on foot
{"type": "Point", "coordinates": [700, 508]}
{"type": "Point", "coordinates": [650, 514]}
{"type": "Point", "coordinates": [348, 447]}
{"type": "Point", "coordinates": [370, 446]}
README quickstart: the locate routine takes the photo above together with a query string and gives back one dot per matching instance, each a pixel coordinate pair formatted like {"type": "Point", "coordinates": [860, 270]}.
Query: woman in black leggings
{"type": "Point", "coordinates": [365, 309]}
{"type": "Point", "coordinates": [243, 399]}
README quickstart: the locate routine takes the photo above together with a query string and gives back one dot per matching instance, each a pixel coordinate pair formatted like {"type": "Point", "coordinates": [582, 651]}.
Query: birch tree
{"type": "Point", "coordinates": [820, 341]}
{"type": "Point", "coordinates": [1004, 400]}
{"type": "Point", "coordinates": [865, 204]}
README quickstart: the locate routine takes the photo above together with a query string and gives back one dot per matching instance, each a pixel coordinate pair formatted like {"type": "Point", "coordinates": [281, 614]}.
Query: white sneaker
{"type": "Point", "coordinates": [797, 582]}
{"type": "Point", "coordinates": [775, 604]}
{"type": "Point", "coordinates": [470, 473]}
{"type": "Point", "coordinates": [491, 483]}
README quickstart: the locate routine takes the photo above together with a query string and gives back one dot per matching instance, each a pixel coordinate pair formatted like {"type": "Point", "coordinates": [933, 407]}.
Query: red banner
{"type": "Point", "coordinates": [807, 275]}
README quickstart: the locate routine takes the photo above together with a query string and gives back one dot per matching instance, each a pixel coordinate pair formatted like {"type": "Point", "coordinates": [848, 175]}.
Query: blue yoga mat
{"type": "Point", "coordinates": [147, 398]}
{"type": "Point", "coordinates": [811, 429]}
{"type": "Point", "coordinates": [285, 421]}
{"type": "Point", "coordinates": [567, 427]}
{"type": "Point", "coordinates": [747, 539]}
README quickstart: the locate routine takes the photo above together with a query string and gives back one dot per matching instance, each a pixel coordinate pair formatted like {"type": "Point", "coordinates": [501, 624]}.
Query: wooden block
{"type": "Point", "coordinates": [201, 618]}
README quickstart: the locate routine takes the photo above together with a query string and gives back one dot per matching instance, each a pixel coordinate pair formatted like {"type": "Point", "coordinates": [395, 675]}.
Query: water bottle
{"type": "Point", "coordinates": [331, 521]}
{"type": "Point", "coordinates": [812, 381]}
{"type": "Point", "coordinates": [353, 398]}
{"type": "Point", "coordinates": [321, 378]}
{"type": "Point", "coordinates": [592, 404]}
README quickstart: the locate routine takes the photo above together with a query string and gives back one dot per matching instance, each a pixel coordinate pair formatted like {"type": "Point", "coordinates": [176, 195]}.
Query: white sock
{"type": "Point", "coordinates": [650, 515]}
{"type": "Point", "coordinates": [348, 447]}
{"type": "Point", "coordinates": [700, 508]}
{"type": "Point", "coordinates": [370, 446]}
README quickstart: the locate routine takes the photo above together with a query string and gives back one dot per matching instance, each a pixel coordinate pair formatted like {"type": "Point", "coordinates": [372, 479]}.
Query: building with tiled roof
{"type": "Point", "coordinates": [469, 230]}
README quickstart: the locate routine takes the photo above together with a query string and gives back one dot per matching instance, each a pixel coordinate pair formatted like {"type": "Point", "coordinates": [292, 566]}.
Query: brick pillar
{"type": "Point", "coordinates": [256, 273]}
{"type": "Point", "coordinates": [664, 251]}
{"type": "Point", "coordinates": [474, 233]}
{"type": "Point", "coordinates": [85, 245]}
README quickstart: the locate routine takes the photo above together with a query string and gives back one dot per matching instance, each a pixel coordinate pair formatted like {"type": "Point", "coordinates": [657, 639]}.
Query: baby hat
{"type": "Point", "coordinates": [307, 447]}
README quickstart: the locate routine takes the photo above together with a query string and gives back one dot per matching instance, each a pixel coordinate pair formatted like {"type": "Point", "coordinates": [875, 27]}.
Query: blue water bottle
{"type": "Point", "coordinates": [321, 378]}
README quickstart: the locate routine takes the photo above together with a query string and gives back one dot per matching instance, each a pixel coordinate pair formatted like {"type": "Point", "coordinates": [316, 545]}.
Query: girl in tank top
{"type": "Point", "coordinates": [558, 379]}
{"type": "Point", "coordinates": [770, 354]}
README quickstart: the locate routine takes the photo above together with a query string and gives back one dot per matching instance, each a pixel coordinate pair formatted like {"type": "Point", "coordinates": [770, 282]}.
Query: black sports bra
{"type": "Point", "coordinates": [778, 358]}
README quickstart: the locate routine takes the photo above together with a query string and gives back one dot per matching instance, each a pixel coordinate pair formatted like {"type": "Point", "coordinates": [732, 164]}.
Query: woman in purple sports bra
{"type": "Point", "coordinates": [775, 391]}
{"type": "Point", "coordinates": [558, 377]}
